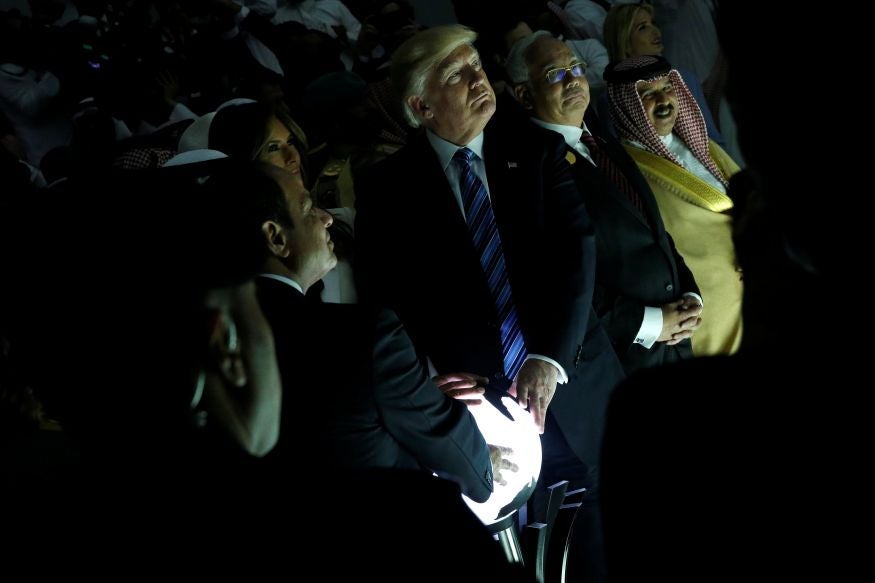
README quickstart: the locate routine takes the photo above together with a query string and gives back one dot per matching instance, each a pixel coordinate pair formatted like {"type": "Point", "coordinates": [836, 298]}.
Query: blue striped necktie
{"type": "Point", "coordinates": [487, 241]}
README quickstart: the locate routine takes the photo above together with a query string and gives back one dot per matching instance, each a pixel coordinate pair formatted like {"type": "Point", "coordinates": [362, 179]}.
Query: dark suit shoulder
{"type": "Point", "coordinates": [519, 135]}
{"type": "Point", "coordinates": [273, 294]}
{"type": "Point", "coordinates": [399, 161]}
{"type": "Point", "coordinates": [392, 180]}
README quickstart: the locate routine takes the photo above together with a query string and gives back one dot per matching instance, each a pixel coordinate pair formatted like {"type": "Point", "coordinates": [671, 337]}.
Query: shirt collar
{"type": "Point", "coordinates": [446, 150]}
{"type": "Point", "coordinates": [667, 140]}
{"type": "Point", "coordinates": [570, 134]}
{"type": "Point", "coordinates": [283, 279]}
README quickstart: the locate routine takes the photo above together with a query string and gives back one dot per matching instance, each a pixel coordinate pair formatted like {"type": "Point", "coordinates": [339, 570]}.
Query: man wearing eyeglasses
{"type": "Point", "coordinates": [645, 295]}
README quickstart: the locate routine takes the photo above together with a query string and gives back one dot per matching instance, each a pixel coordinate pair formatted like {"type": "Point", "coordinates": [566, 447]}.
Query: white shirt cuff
{"type": "Point", "coordinates": [695, 295]}
{"type": "Point", "coordinates": [562, 378]}
{"type": "Point", "coordinates": [651, 326]}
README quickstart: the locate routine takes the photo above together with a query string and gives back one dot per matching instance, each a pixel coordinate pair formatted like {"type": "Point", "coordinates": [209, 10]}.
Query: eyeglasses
{"type": "Point", "coordinates": [558, 74]}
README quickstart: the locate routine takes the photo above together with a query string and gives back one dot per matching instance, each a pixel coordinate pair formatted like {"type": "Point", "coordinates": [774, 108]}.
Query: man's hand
{"type": "Point", "coordinates": [499, 456]}
{"type": "Point", "coordinates": [679, 320]}
{"type": "Point", "coordinates": [463, 386]}
{"type": "Point", "coordinates": [534, 387]}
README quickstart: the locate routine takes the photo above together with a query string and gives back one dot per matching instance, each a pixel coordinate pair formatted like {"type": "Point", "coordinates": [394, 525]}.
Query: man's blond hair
{"type": "Point", "coordinates": [419, 55]}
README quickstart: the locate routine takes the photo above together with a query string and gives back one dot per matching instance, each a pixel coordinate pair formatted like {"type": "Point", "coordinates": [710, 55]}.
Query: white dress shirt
{"type": "Point", "coordinates": [571, 135]}
{"type": "Point", "coordinates": [445, 151]}
{"type": "Point", "coordinates": [338, 283]}
{"type": "Point", "coordinates": [283, 279]}
{"type": "Point", "coordinates": [689, 162]}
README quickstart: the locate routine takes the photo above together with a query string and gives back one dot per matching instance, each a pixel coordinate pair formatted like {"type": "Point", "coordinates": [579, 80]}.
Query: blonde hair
{"type": "Point", "coordinates": [418, 55]}
{"type": "Point", "coordinates": [618, 29]}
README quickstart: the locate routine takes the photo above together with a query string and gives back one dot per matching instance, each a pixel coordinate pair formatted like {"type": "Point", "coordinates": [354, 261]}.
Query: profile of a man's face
{"type": "Point", "coordinates": [310, 248]}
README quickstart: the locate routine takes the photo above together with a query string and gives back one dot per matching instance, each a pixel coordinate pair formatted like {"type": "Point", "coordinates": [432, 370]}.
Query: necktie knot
{"type": "Point", "coordinates": [464, 155]}
{"type": "Point", "coordinates": [588, 140]}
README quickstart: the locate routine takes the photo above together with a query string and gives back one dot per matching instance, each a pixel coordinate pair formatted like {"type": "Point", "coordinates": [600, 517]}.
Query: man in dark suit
{"type": "Point", "coordinates": [645, 295]}
{"type": "Point", "coordinates": [423, 215]}
{"type": "Point", "coordinates": [418, 245]}
{"type": "Point", "coordinates": [741, 453]}
{"type": "Point", "coordinates": [379, 409]}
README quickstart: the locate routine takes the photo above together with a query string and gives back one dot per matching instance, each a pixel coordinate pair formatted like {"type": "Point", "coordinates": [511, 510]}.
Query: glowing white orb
{"type": "Point", "coordinates": [516, 430]}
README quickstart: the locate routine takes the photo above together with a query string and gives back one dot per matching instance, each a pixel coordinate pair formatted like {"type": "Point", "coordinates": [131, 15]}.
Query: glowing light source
{"type": "Point", "coordinates": [513, 428]}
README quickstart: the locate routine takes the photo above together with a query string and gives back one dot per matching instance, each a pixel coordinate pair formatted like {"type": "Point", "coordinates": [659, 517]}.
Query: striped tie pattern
{"type": "Point", "coordinates": [487, 241]}
{"type": "Point", "coordinates": [611, 171]}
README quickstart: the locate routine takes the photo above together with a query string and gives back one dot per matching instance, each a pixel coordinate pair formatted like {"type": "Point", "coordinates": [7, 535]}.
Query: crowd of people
{"type": "Point", "coordinates": [261, 258]}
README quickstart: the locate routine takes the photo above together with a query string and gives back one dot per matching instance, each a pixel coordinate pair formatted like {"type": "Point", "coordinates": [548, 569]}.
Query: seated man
{"type": "Point", "coordinates": [475, 234]}
{"type": "Point", "coordinates": [664, 132]}
{"type": "Point", "coordinates": [741, 453]}
{"type": "Point", "coordinates": [645, 295]}
{"type": "Point", "coordinates": [379, 409]}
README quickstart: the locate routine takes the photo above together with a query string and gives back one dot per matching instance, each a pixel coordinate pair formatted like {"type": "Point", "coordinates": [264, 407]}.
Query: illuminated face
{"type": "Point", "coordinates": [458, 100]}
{"type": "Point", "coordinates": [646, 39]}
{"type": "Point", "coordinates": [660, 103]}
{"type": "Point", "coordinates": [310, 249]}
{"type": "Point", "coordinates": [563, 102]}
{"type": "Point", "coordinates": [279, 149]}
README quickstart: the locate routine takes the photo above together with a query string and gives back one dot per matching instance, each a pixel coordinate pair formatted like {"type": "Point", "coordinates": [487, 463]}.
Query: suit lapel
{"type": "Point", "coordinates": [625, 162]}
{"type": "Point", "coordinates": [619, 196]}
{"type": "Point", "coordinates": [440, 220]}
{"type": "Point", "coordinates": [622, 161]}
{"type": "Point", "coordinates": [438, 201]}
{"type": "Point", "coordinates": [504, 175]}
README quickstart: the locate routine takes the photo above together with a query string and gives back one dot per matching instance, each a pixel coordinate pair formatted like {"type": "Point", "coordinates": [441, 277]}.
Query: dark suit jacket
{"type": "Point", "coordinates": [415, 255]}
{"type": "Point", "coordinates": [355, 395]}
{"type": "Point", "coordinates": [637, 264]}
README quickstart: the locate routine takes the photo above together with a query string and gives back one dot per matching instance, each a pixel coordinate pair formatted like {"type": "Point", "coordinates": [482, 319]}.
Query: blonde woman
{"type": "Point", "coordinates": [630, 31]}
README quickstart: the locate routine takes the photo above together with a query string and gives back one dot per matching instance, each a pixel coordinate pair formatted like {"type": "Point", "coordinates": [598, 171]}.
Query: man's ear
{"type": "Point", "coordinates": [523, 95]}
{"type": "Point", "coordinates": [275, 236]}
{"type": "Point", "coordinates": [419, 107]}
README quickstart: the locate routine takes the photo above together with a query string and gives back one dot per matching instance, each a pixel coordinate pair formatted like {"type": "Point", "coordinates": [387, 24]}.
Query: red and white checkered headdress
{"type": "Point", "coordinates": [632, 122]}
